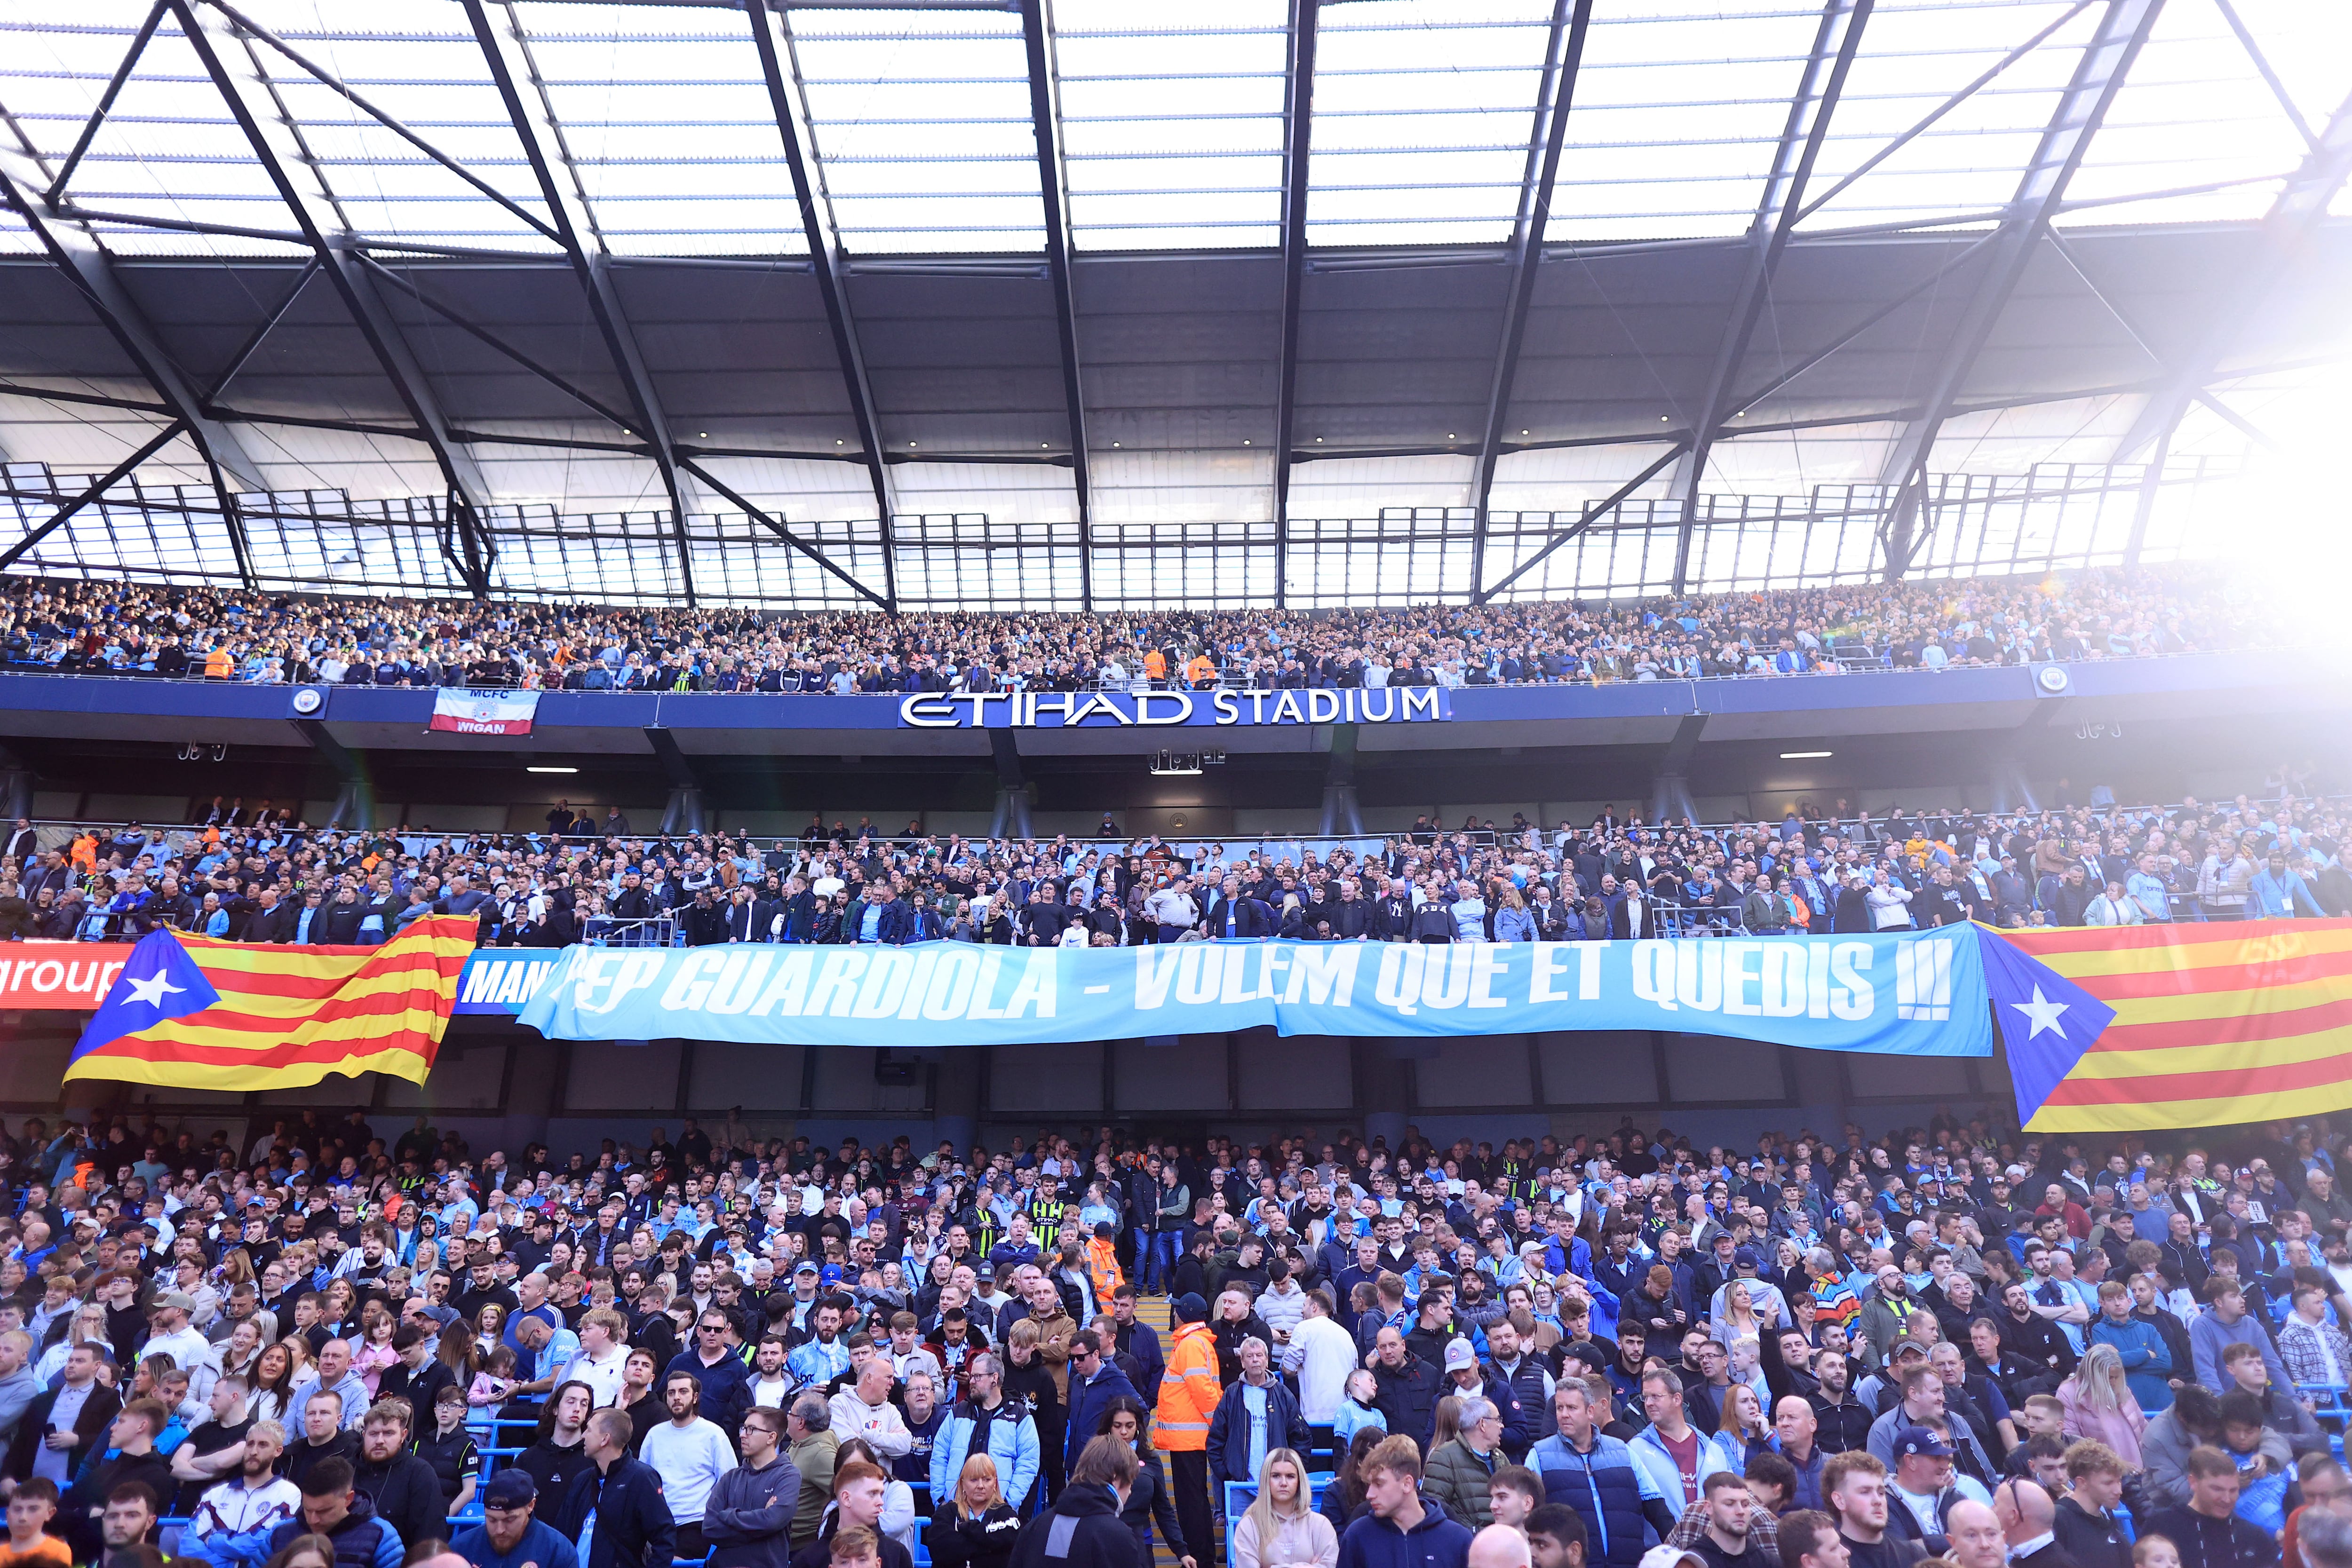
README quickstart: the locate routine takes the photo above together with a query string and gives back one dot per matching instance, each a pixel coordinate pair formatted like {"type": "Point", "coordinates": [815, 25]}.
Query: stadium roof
{"type": "Point", "coordinates": [1100, 303]}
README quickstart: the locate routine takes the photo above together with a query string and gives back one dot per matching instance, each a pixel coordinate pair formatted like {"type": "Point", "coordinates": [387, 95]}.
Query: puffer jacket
{"type": "Point", "coordinates": [1460, 1480]}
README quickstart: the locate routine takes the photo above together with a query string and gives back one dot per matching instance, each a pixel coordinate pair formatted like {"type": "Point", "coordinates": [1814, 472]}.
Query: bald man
{"type": "Point", "coordinates": [2029, 1524]}
{"type": "Point", "coordinates": [1978, 1540]}
{"type": "Point", "coordinates": [1499, 1546]}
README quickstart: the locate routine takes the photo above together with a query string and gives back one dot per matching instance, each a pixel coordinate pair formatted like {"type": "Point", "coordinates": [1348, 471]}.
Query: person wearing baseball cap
{"type": "Point", "coordinates": [172, 1322]}
{"type": "Point", "coordinates": [512, 1534]}
{"type": "Point", "coordinates": [1922, 1489]}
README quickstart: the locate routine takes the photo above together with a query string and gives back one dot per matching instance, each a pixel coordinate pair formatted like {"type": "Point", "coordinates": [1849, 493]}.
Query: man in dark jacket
{"type": "Point", "coordinates": [1095, 1382]}
{"type": "Point", "coordinates": [1233, 912]}
{"type": "Point", "coordinates": [1406, 1389]}
{"type": "Point", "coordinates": [134, 1435]}
{"type": "Point", "coordinates": [98, 1406]}
{"type": "Point", "coordinates": [406, 1492]}
{"type": "Point", "coordinates": [634, 1527]}
{"type": "Point", "coordinates": [2087, 1521]}
{"type": "Point", "coordinates": [2209, 1531]}
{"type": "Point", "coordinates": [1255, 1394]}
{"type": "Point", "coordinates": [331, 1509]}
{"type": "Point", "coordinates": [1403, 1527]}
{"type": "Point", "coordinates": [705, 921]}
{"type": "Point", "coordinates": [880, 917]}
{"type": "Point", "coordinates": [1083, 1529]}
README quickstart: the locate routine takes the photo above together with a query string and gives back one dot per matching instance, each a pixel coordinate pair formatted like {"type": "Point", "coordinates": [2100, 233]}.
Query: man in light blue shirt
{"type": "Point", "coordinates": [2145, 888]}
{"type": "Point", "coordinates": [2278, 893]}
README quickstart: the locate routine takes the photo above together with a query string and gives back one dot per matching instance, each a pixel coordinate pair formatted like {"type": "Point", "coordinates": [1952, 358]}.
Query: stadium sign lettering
{"type": "Point", "coordinates": [1152, 710]}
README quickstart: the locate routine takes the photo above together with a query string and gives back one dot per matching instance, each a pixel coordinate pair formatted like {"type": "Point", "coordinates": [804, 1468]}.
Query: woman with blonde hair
{"type": "Point", "coordinates": [87, 1327]}
{"type": "Point", "coordinates": [2100, 1403]}
{"type": "Point", "coordinates": [1281, 1529]}
{"type": "Point", "coordinates": [1738, 1321]}
{"type": "Point", "coordinates": [978, 1528]}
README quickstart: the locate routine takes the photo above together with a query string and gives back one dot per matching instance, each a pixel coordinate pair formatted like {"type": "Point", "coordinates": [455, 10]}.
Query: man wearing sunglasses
{"type": "Point", "coordinates": [726, 1376]}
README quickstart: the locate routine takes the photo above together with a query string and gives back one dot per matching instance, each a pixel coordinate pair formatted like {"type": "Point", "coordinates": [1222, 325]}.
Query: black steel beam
{"type": "Point", "coordinates": [1583, 524]}
{"type": "Point", "coordinates": [1571, 21]}
{"type": "Point", "coordinates": [1811, 111]}
{"type": "Point", "coordinates": [2122, 30]}
{"type": "Point", "coordinates": [777, 527]}
{"type": "Point", "coordinates": [91, 399]}
{"type": "Point", "coordinates": [252, 101]}
{"type": "Point", "coordinates": [1920, 127]}
{"type": "Point", "coordinates": [77, 257]}
{"type": "Point", "coordinates": [106, 482]}
{"type": "Point", "coordinates": [328, 78]}
{"type": "Point", "coordinates": [252, 344]}
{"type": "Point", "coordinates": [1045, 118]}
{"type": "Point", "coordinates": [105, 104]}
{"type": "Point", "coordinates": [832, 285]}
{"type": "Point", "coordinates": [517, 77]}
{"type": "Point", "coordinates": [2283, 239]}
{"type": "Point", "coordinates": [490, 339]}
{"type": "Point", "coordinates": [1297, 148]}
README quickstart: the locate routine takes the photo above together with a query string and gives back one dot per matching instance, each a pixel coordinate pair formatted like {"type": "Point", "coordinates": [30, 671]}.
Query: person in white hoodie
{"type": "Point", "coordinates": [1282, 1303]}
{"type": "Point", "coordinates": [1320, 1355]}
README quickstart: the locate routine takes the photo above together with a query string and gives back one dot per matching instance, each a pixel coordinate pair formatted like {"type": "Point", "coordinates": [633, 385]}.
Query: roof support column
{"type": "Point", "coordinates": [1299, 135]}
{"type": "Point", "coordinates": [825, 252]}
{"type": "Point", "coordinates": [2123, 29]}
{"type": "Point", "coordinates": [517, 77]}
{"type": "Point", "coordinates": [2284, 236]}
{"type": "Point", "coordinates": [1045, 118]}
{"type": "Point", "coordinates": [1835, 44]}
{"type": "Point", "coordinates": [99, 487]}
{"type": "Point", "coordinates": [276, 144]}
{"type": "Point", "coordinates": [74, 252]}
{"type": "Point", "coordinates": [1570, 20]}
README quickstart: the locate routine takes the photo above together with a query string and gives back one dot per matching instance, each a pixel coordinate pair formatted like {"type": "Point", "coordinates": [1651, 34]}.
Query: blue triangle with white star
{"type": "Point", "coordinates": [159, 981]}
{"type": "Point", "coordinates": [2047, 1021]}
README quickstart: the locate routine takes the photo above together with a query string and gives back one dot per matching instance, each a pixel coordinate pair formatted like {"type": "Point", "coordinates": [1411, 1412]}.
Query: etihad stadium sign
{"type": "Point", "coordinates": [1154, 710]}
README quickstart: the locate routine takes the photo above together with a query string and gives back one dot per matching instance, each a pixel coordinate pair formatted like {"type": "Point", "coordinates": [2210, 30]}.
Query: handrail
{"type": "Point", "coordinates": [1122, 846]}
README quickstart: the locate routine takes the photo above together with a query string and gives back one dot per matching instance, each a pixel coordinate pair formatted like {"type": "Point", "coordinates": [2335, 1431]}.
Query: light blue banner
{"type": "Point", "coordinates": [1913, 994]}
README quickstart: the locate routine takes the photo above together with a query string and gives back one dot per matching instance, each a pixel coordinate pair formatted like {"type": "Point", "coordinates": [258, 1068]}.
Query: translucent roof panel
{"type": "Point", "coordinates": [418, 62]}
{"type": "Point", "coordinates": [1678, 110]}
{"type": "Point", "coordinates": [1173, 131]}
{"type": "Point", "coordinates": [921, 118]}
{"type": "Point", "coordinates": [169, 149]}
{"type": "Point", "coordinates": [2196, 112]}
{"type": "Point", "coordinates": [1915, 57]}
{"type": "Point", "coordinates": [1425, 110]}
{"type": "Point", "coordinates": [669, 125]}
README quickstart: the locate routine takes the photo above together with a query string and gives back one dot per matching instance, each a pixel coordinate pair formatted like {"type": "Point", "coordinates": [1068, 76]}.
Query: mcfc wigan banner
{"type": "Point", "coordinates": [1916, 993]}
{"type": "Point", "coordinates": [466, 711]}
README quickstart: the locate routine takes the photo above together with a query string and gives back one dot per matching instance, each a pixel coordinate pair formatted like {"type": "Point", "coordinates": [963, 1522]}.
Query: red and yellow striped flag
{"type": "Point", "coordinates": [288, 1016]}
{"type": "Point", "coordinates": [2215, 1024]}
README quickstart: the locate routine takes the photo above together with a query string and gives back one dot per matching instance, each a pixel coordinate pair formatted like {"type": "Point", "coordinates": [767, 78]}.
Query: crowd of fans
{"type": "Point", "coordinates": [330, 1349]}
{"type": "Point", "coordinates": [255, 875]}
{"type": "Point", "coordinates": [112, 628]}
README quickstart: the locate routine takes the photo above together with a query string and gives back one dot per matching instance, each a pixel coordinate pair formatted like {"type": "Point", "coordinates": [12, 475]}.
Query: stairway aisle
{"type": "Point", "coordinates": [1154, 1310]}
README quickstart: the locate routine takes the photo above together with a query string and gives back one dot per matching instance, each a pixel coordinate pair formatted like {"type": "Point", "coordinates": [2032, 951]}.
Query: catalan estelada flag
{"type": "Point", "coordinates": [2216, 1024]}
{"type": "Point", "coordinates": [191, 1012]}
